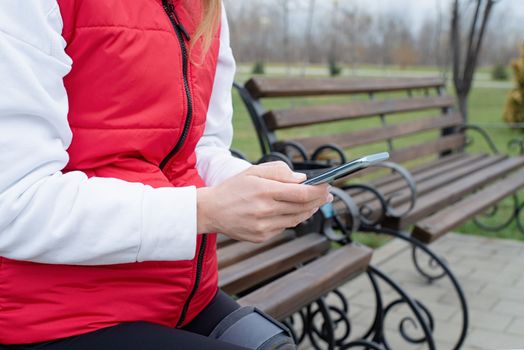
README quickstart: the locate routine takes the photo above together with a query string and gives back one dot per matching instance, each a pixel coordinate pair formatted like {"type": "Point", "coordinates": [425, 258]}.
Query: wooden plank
{"type": "Point", "coordinates": [245, 274]}
{"type": "Point", "coordinates": [243, 250]}
{"type": "Point", "coordinates": [224, 241]}
{"type": "Point", "coordinates": [418, 172]}
{"type": "Point", "coordinates": [309, 115]}
{"type": "Point", "coordinates": [435, 163]}
{"type": "Point", "coordinates": [290, 293]}
{"type": "Point", "coordinates": [448, 178]}
{"type": "Point", "coordinates": [444, 196]}
{"type": "Point", "coordinates": [260, 87]}
{"type": "Point", "coordinates": [442, 144]}
{"type": "Point", "coordinates": [432, 179]}
{"type": "Point", "coordinates": [437, 225]}
{"type": "Point", "coordinates": [442, 168]}
{"type": "Point", "coordinates": [387, 132]}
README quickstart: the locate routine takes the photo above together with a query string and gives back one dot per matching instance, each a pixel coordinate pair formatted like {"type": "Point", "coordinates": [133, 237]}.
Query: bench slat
{"type": "Point", "coordinates": [243, 250]}
{"type": "Point", "coordinates": [426, 166]}
{"type": "Point", "coordinates": [224, 241]}
{"type": "Point", "coordinates": [281, 299]}
{"type": "Point", "coordinates": [419, 173]}
{"type": "Point", "coordinates": [442, 144]}
{"type": "Point", "coordinates": [249, 272]}
{"type": "Point", "coordinates": [435, 226]}
{"type": "Point", "coordinates": [289, 87]}
{"type": "Point", "coordinates": [372, 135]}
{"type": "Point", "coordinates": [301, 116]}
{"type": "Point", "coordinates": [433, 183]}
{"type": "Point", "coordinates": [441, 198]}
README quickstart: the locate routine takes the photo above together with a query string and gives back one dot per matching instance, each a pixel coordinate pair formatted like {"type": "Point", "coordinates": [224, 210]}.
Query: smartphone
{"type": "Point", "coordinates": [347, 168]}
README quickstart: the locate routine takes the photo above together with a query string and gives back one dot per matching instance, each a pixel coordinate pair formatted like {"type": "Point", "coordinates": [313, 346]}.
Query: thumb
{"type": "Point", "coordinates": [277, 171]}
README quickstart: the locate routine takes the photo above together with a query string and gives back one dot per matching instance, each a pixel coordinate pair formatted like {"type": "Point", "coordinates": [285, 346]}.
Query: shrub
{"type": "Point", "coordinates": [499, 72]}
{"type": "Point", "coordinates": [259, 68]}
{"type": "Point", "coordinates": [514, 112]}
{"type": "Point", "coordinates": [334, 68]}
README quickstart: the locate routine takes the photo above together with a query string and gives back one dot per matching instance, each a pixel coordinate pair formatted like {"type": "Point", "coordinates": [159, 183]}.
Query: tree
{"type": "Point", "coordinates": [335, 33]}
{"type": "Point", "coordinates": [355, 25]}
{"type": "Point", "coordinates": [309, 31]}
{"type": "Point", "coordinates": [285, 36]}
{"type": "Point", "coordinates": [464, 68]}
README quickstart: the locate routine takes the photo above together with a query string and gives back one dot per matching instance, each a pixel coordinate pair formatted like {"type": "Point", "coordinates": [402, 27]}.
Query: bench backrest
{"type": "Point", "coordinates": [386, 112]}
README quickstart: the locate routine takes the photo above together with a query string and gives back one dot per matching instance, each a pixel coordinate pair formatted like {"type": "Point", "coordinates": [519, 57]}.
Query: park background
{"type": "Point", "coordinates": [377, 38]}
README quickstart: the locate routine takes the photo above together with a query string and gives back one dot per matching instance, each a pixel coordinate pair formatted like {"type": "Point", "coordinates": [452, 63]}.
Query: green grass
{"type": "Point", "coordinates": [486, 107]}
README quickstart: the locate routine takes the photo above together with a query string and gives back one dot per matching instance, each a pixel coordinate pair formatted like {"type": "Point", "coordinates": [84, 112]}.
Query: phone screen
{"type": "Point", "coordinates": [347, 168]}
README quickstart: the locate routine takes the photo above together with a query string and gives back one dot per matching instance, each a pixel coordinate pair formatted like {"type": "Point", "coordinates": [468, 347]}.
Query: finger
{"type": "Point", "coordinates": [276, 171]}
{"type": "Point", "coordinates": [288, 221]}
{"type": "Point", "coordinates": [300, 193]}
{"type": "Point", "coordinates": [290, 208]}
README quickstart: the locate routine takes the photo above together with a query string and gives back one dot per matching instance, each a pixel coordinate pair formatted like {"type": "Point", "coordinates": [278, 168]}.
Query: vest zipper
{"type": "Point", "coordinates": [182, 34]}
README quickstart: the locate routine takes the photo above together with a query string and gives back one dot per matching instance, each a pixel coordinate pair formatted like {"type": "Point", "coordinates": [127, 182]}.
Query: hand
{"type": "Point", "coordinates": [259, 203]}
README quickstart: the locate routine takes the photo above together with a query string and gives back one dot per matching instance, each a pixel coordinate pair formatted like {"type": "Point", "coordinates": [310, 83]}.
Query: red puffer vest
{"type": "Point", "coordinates": [138, 105]}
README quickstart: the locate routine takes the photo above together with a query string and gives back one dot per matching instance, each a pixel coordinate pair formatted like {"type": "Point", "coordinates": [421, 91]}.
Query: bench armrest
{"type": "Point", "coordinates": [483, 133]}
{"type": "Point", "coordinates": [411, 184]}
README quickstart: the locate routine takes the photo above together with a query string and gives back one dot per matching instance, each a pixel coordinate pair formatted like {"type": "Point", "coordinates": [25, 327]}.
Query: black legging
{"type": "Point", "coordinates": [148, 336]}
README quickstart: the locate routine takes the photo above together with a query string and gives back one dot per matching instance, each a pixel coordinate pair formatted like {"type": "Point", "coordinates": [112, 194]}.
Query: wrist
{"type": "Point", "coordinates": [204, 220]}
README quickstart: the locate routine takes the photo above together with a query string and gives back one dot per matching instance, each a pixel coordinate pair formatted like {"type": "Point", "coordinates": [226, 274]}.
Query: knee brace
{"type": "Point", "coordinates": [253, 329]}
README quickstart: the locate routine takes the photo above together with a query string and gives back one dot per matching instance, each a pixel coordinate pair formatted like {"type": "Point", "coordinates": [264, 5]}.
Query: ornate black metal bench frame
{"type": "Point", "coordinates": [383, 211]}
{"type": "Point", "coordinates": [291, 277]}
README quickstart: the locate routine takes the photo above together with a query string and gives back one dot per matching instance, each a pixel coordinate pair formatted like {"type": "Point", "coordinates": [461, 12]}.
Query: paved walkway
{"type": "Point", "coordinates": [492, 274]}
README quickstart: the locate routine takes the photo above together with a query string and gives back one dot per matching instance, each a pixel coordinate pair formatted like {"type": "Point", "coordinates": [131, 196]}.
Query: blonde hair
{"type": "Point", "coordinates": [212, 10]}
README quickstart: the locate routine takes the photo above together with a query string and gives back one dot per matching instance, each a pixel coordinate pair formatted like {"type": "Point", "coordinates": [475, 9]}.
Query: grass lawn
{"type": "Point", "coordinates": [486, 107]}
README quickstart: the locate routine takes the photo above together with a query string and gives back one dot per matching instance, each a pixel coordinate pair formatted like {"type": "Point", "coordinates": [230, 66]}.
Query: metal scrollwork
{"type": "Point", "coordinates": [438, 263]}
{"type": "Point", "coordinates": [370, 215]}
{"type": "Point", "coordinates": [275, 156]}
{"type": "Point", "coordinates": [517, 144]}
{"type": "Point", "coordinates": [330, 147]}
{"type": "Point", "coordinates": [520, 224]}
{"type": "Point", "coordinates": [298, 329]}
{"type": "Point", "coordinates": [344, 213]}
{"type": "Point", "coordinates": [483, 133]}
{"type": "Point", "coordinates": [288, 147]}
{"type": "Point", "coordinates": [431, 270]}
{"type": "Point", "coordinates": [326, 323]}
{"type": "Point", "coordinates": [494, 211]}
{"type": "Point", "coordinates": [412, 186]}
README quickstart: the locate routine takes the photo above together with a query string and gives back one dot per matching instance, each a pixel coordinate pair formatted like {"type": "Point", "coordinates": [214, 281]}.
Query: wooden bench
{"type": "Point", "coordinates": [452, 185]}
{"type": "Point", "coordinates": [291, 275]}
{"type": "Point", "coordinates": [255, 272]}
{"type": "Point", "coordinates": [287, 273]}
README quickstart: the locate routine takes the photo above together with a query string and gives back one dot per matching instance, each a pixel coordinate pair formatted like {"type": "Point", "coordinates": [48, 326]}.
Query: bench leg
{"type": "Point", "coordinates": [431, 269]}
{"type": "Point", "coordinates": [327, 325]}
{"type": "Point", "coordinates": [437, 263]}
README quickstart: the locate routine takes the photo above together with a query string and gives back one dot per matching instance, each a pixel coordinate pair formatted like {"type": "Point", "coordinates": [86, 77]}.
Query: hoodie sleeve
{"type": "Point", "coordinates": [214, 160]}
{"type": "Point", "coordinates": [50, 217]}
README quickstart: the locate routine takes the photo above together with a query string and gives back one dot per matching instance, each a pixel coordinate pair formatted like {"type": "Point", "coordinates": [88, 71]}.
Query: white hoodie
{"type": "Point", "coordinates": [50, 217]}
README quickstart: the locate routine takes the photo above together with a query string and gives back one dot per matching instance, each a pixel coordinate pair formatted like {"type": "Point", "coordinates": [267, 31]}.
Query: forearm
{"type": "Point", "coordinates": [50, 217]}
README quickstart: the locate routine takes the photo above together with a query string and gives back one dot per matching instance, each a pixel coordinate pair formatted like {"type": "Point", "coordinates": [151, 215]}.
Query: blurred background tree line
{"type": "Point", "coordinates": [348, 32]}
{"type": "Point", "coordinates": [450, 36]}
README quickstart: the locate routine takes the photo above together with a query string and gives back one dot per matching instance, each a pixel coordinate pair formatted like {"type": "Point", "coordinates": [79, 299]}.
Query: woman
{"type": "Point", "coordinates": [115, 124]}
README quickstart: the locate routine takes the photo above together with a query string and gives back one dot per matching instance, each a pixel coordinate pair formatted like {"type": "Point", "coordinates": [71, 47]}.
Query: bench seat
{"type": "Point", "coordinates": [287, 273]}
{"type": "Point", "coordinates": [436, 225]}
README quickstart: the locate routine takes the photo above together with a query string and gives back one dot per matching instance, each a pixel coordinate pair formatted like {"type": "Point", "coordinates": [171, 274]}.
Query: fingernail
{"type": "Point", "coordinates": [299, 176]}
{"type": "Point", "coordinates": [330, 198]}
